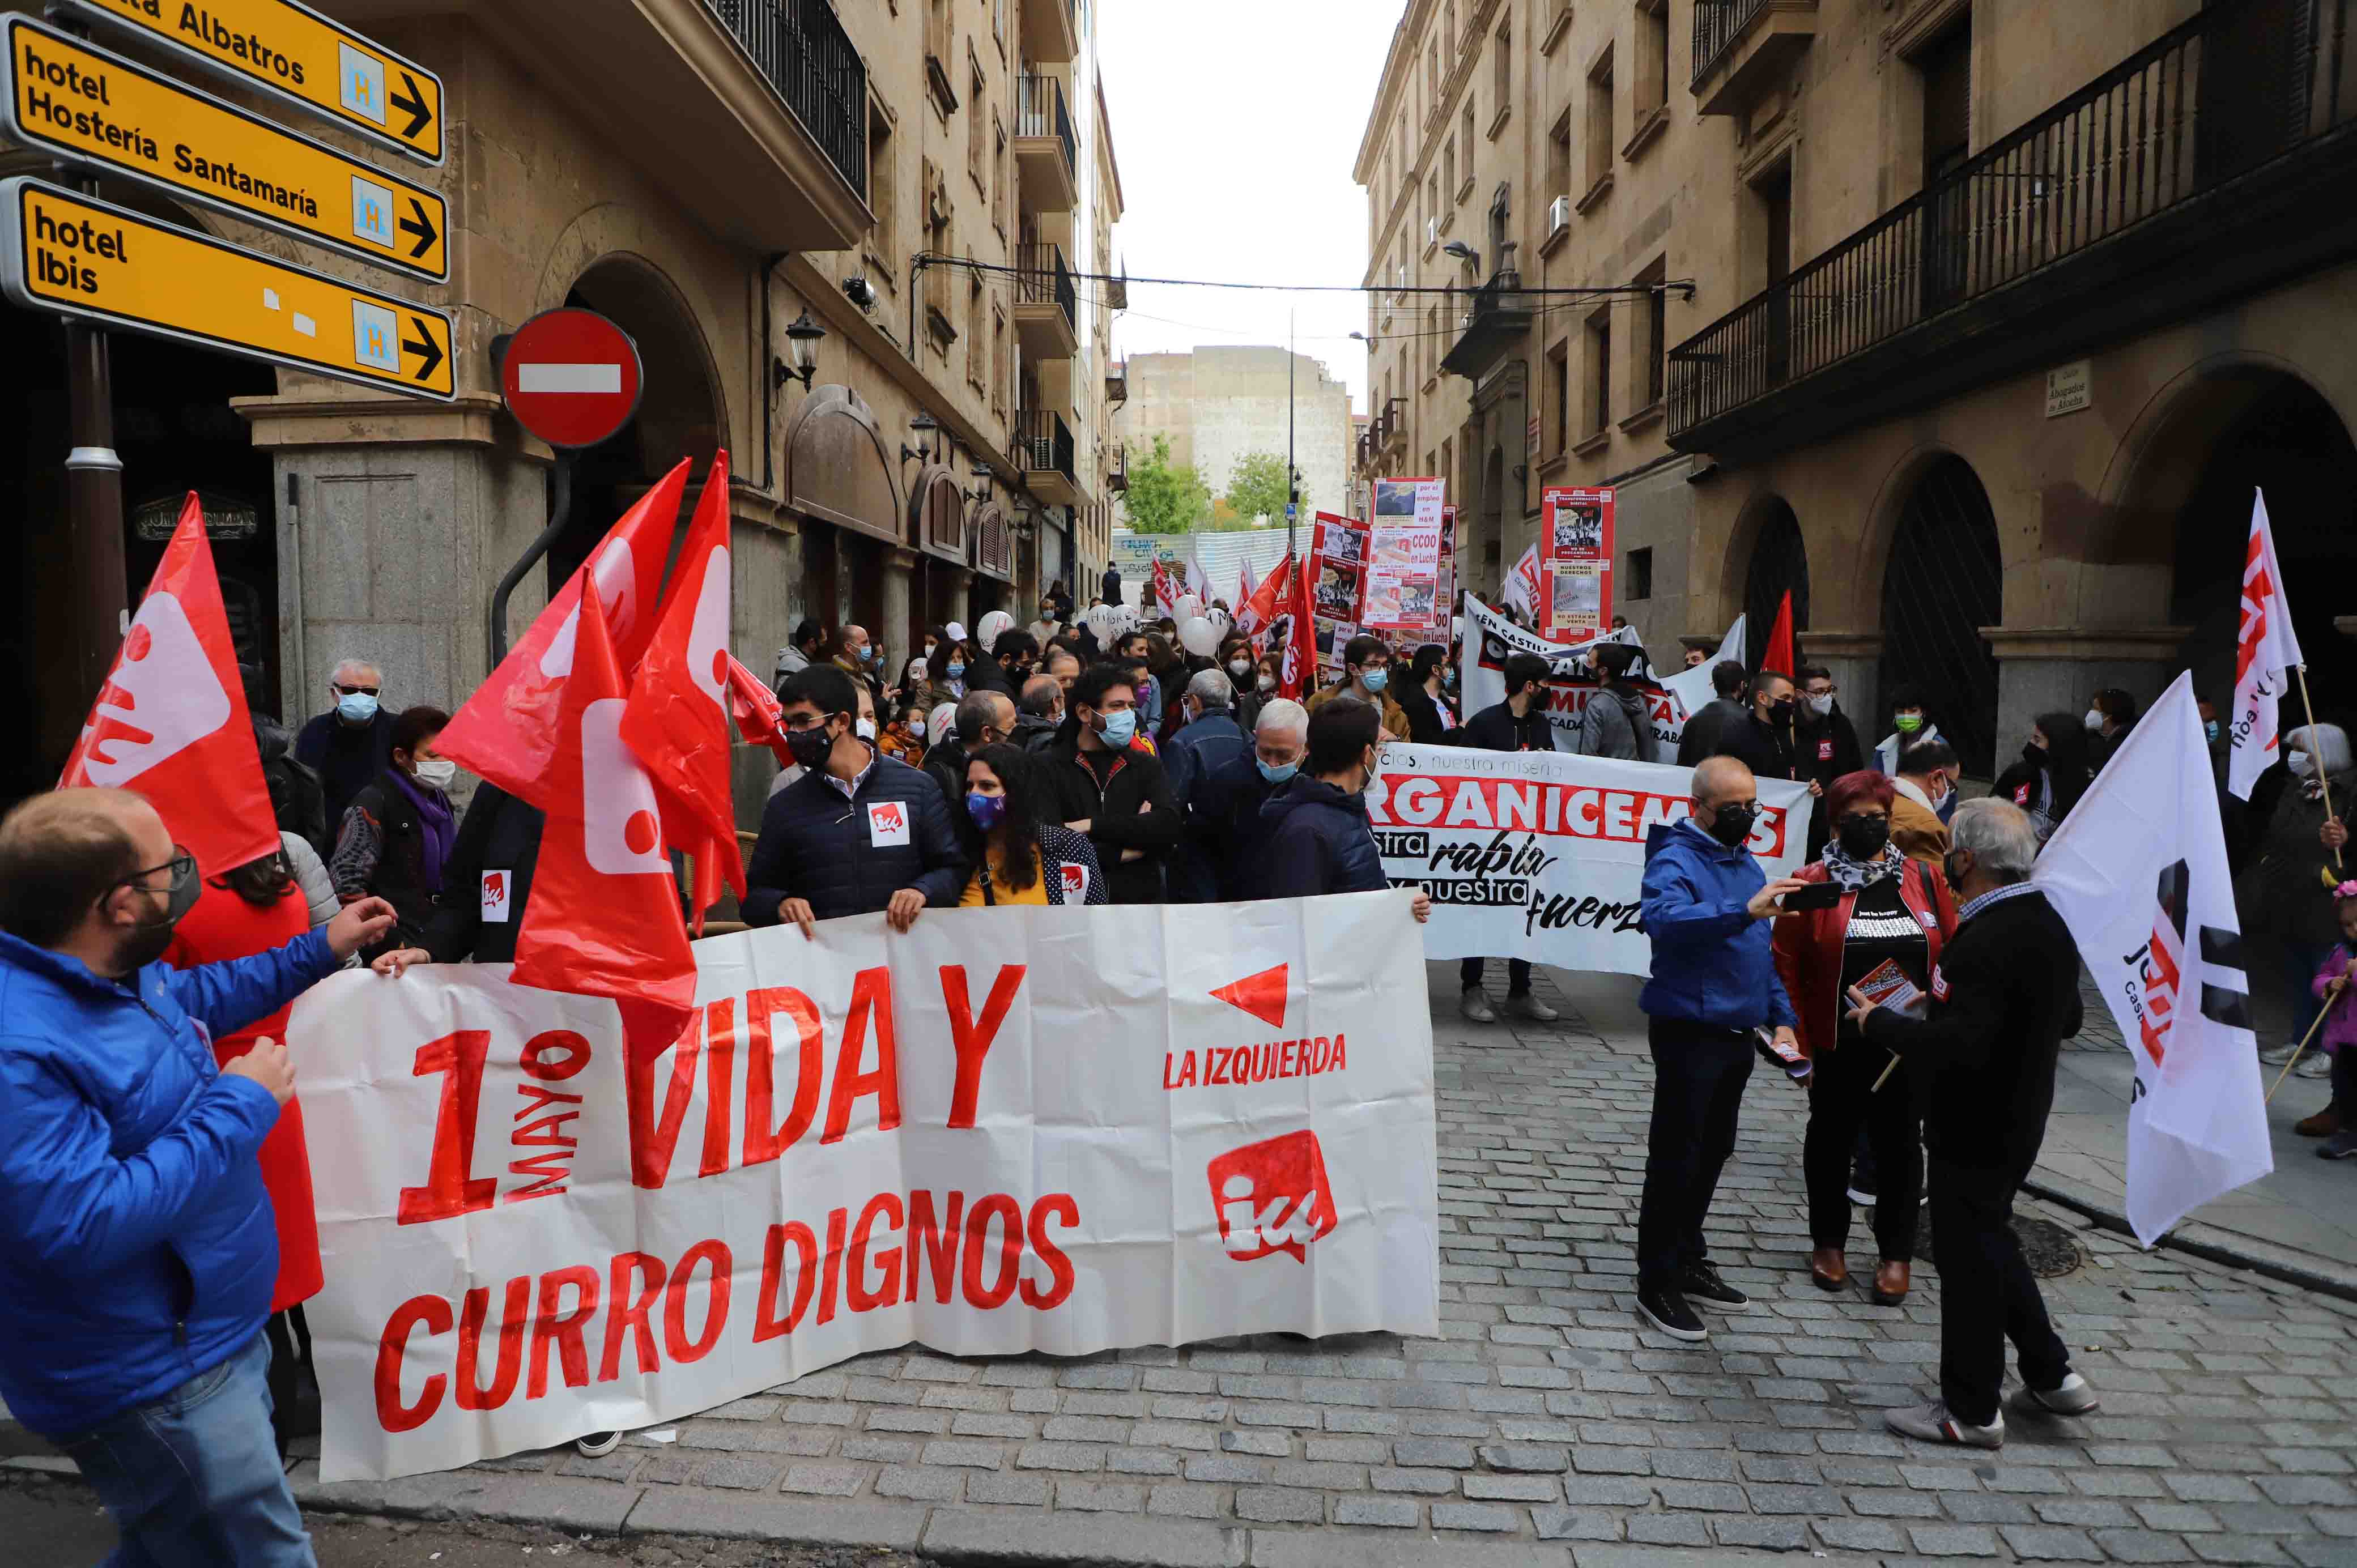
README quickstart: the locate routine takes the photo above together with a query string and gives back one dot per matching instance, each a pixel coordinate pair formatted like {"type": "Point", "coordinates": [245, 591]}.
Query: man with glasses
{"type": "Point", "coordinates": [1827, 744]}
{"type": "Point", "coordinates": [858, 832]}
{"type": "Point", "coordinates": [351, 744]}
{"type": "Point", "coordinates": [137, 1249]}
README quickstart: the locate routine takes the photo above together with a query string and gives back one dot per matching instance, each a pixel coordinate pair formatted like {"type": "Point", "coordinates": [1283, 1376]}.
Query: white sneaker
{"type": "Point", "coordinates": [1475, 1005]}
{"type": "Point", "coordinates": [2275, 1055]}
{"type": "Point", "coordinates": [596, 1443]}
{"type": "Point", "coordinates": [2072, 1397]}
{"type": "Point", "coordinates": [2316, 1063]}
{"type": "Point", "coordinates": [1933, 1424]}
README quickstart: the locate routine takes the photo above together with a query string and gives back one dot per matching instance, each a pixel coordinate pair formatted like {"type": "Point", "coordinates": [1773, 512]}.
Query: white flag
{"type": "Point", "coordinates": [2138, 872]}
{"type": "Point", "coordinates": [1198, 582]}
{"type": "Point", "coordinates": [1522, 588]}
{"type": "Point", "coordinates": [1691, 688]}
{"type": "Point", "coordinates": [2266, 648]}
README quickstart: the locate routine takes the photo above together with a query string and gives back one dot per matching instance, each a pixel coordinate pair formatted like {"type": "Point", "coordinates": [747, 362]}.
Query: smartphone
{"type": "Point", "coordinates": [1816, 896]}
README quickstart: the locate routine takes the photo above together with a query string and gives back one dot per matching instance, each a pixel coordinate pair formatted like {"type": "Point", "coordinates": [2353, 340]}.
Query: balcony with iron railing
{"type": "Point", "coordinates": [1052, 31]}
{"type": "Point", "coordinates": [2215, 161]}
{"type": "Point", "coordinates": [1042, 450]}
{"type": "Point", "coordinates": [1044, 149]}
{"type": "Point", "coordinates": [1046, 304]}
{"type": "Point", "coordinates": [1117, 471]}
{"type": "Point", "coordinates": [1497, 321]}
{"type": "Point", "coordinates": [1742, 46]}
{"type": "Point", "coordinates": [802, 52]}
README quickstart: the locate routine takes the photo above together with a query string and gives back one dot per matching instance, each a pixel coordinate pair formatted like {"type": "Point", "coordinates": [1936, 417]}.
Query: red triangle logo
{"type": "Point", "coordinates": [1262, 995]}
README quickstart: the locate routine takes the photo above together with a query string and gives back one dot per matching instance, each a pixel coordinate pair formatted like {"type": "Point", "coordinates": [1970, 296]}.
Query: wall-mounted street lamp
{"type": "Point", "coordinates": [801, 363]}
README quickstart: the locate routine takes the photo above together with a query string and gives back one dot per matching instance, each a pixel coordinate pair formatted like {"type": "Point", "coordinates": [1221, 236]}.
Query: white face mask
{"type": "Point", "coordinates": [917, 729]}
{"type": "Point", "coordinates": [1821, 704]}
{"type": "Point", "coordinates": [2095, 718]}
{"type": "Point", "coordinates": [2297, 762]}
{"type": "Point", "coordinates": [437, 771]}
{"type": "Point", "coordinates": [1267, 683]}
{"type": "Point", "coordinates": [864, 728]}
{"type": "Point", "coordinates": [1239, 668]}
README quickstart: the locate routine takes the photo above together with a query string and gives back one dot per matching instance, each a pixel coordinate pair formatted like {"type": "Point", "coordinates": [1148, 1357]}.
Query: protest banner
{"type": "Point", "coordinates": [1540, 856]}
{"type": "Point", "coordinates": [1059, 1130]}
{"type": "Point", "coordinates": [1338, 565]}
{"type": "Point", "coordinates": [1576, 564]}
{"type": "Point", "coordinates": [1491, 638]}
{"type": "Point", "coordinates": [1403, 570]}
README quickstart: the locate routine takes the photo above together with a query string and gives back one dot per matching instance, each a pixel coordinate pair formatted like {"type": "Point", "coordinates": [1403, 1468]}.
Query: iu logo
{"type": "Point", "coordinates": [163, 697]}
{"type": "Point", "coordinates": [887, 824]}
{"type": "Point", "coordinates": [2162, 966]}
{"type": "Point", "coordinates": [620, 828]}
{"type": "Point", "coordinates": [1272, 1197]}
{"type": "Point", "coordinates": [1076, 883]}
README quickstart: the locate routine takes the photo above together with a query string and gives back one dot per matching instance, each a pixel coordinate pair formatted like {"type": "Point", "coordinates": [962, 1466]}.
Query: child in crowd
{"type": "Point", "coordinates": [2336, 1122]}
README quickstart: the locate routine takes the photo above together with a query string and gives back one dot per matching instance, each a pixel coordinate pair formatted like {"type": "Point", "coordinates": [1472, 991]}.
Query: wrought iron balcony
{"type": "Point", "coordinates": [1044, 147]}
{"type": "Point", "coordinates": [1042, 451]}
{"type": "Point", "coordinates": [1117, 475]}
{"type": "Point", "coordinates": [1047, 304]}
{"type": "Point", "coordinates": [802, 52]}
{"type": "Point", "coordinates": [1499, 321]}
{"type": "Point", "coordinates": [2216, 160]}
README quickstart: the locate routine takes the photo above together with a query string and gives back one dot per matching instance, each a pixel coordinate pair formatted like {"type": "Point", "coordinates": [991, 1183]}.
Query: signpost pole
{"type": "Point", "coordinates": [94, 501]}
{"type": "Point", "coordinates": [559, 512]}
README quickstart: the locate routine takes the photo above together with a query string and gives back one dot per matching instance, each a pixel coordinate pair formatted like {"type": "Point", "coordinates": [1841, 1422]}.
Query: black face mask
{"type": "Point", "coordinates": [2034, 755]}
{"type": "Point", "coordinates": [147, 941]}
{"type": "Point", "coordinates": [1780, 712]}
{"type": "Point", "coordinates": [1732, 825]}
{"type": "Point", "coordinates": [1864, 838]}
{"type": "Point", "coordinates": [1956, 878]}
{"type": "Point", "coordinates": [810, 747]}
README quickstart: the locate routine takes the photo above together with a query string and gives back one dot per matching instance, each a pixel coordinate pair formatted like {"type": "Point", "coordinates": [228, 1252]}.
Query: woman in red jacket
{"type": "Point", "coordinates": [1884, 932]}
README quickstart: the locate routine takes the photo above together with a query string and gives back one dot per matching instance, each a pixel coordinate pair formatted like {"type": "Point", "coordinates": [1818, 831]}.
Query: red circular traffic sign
{"type": "Point", "coordinates": [571, 377]}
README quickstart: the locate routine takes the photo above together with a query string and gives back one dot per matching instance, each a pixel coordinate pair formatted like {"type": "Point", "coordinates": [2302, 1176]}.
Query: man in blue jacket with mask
{"type": "Point", "coordinates": [137, 1248]}
{"type": "Point", "coordinates": [1708, 905]}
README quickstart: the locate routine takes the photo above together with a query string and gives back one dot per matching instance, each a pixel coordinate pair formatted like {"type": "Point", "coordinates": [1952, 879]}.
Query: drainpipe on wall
{"type": "Point", "coordinates": [769, 388]}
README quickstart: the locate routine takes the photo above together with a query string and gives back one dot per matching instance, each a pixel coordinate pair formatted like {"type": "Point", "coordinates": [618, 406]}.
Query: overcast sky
{"type": "Point", "coordinates": [1235, 123]}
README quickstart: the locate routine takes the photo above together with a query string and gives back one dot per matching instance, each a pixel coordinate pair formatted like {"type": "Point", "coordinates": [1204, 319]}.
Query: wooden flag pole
{"type": "Point", "coordinates": [2309, 708]}
{"type": "Point", "coordinates": [2325, 1013]}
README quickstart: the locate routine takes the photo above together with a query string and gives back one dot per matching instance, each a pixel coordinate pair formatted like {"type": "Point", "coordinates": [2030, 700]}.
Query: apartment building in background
{"type": "Point", "coordinates": [1975, 324]}
{"type": "Point", "coordinates": [1218, 404]}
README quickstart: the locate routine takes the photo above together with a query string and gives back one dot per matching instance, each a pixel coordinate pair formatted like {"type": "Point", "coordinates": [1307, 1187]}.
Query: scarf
{"type": "Point", "coordinates": [435, 822]}
{"type": "Point", "coordinates": [1855, 875]}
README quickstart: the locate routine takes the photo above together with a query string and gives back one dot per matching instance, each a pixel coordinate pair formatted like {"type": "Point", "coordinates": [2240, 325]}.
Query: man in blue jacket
{"type": "Point", "coordinates": [137, 1248]}
{"type": "Point", "coordinates": [1708, 905]}
{"type": "Point", "coordinates": [1319, 840]}
{"type": "Point", "coordinates": [858, 832]}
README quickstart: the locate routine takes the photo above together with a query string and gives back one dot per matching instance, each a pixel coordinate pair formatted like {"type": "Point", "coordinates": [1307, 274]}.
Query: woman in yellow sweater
{"type": "Point", "coordinates": [1020, 855]}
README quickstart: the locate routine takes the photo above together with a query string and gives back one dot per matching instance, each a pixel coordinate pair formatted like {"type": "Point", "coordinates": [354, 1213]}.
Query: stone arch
{"type": "Point", "coordinates": [620, 235]}
{"type": "Point", "coordinates": [1766, 553]}
{"type": "Point", "coordinates": [838, 469]}
{"type": "Point", "coordinates": [681, 412]}
{"type": "Point", "coordinates": [938, 523]}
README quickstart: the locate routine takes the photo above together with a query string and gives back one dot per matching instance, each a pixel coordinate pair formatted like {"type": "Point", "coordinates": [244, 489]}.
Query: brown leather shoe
{"type": "Point", "coordinates": [1828, 1269]}
{"type": "Point", "coordinates": [1891, 1282]}
{"type": "Point", "coordinates": [2323, 1124]}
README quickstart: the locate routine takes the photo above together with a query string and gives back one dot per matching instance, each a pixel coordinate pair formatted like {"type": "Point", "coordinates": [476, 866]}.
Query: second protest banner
{"type": "Point", "coordinates": [1541, 855]}
{"type": "Point", "coordinates": [1012, 1129]}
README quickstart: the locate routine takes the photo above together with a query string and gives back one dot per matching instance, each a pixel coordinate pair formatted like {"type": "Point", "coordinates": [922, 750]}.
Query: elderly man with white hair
{"type": "Point", "coordinates": [1210, 738]}
{"type": "Point", "coordinates": [350, 744]}
{"type": "Point", "coordinates": [1223, 803]}
{"type": "Point", "coordinates": [2004, 995]}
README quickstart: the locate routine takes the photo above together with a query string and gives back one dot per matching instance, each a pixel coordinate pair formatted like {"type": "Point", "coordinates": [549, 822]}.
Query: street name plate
{"type": "Point", "coordinates": [313, 62]}
{"type": "Point", "coordinates": [60, 95]}
{"type": "Point", "coordinates": [80, 256]}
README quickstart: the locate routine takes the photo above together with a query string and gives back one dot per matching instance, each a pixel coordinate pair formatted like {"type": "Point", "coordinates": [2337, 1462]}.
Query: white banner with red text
{"type": "Point", "coordinates": [1541, 855]}
{"type": "Point", "coordinates": [1013, 1130]}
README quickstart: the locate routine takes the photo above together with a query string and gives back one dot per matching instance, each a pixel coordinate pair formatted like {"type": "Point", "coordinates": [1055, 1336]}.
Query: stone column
{"type": "Point", "coordinates": [896, 636]}
{"type": "Point", "coordinates": [2057, 669]}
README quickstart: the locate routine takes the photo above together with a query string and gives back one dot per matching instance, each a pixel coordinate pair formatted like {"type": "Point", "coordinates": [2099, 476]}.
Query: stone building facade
{"type": "Point", "coordinates": [930, 181]}
{"type": "Point", "coordinates": [1216, 404]}
{"type": "Point", "coordinates": [1973, 323]}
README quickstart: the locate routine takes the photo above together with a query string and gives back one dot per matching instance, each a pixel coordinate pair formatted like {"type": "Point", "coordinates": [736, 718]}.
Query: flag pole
{"type": "Point", "coordinates": [2309, 708]}
{"type": "Point", "coordinates": [2293, 1060]}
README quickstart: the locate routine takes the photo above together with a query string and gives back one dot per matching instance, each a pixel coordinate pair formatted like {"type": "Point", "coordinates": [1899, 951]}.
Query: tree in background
{"type": "Point", "coordinates": [1165, 497]}
{"type": "Point", "coordinates": [1256, 489]}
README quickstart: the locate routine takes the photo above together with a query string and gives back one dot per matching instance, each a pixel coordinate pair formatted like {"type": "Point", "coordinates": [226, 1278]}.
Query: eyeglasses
{"type": "Point", "coordinates": [343, 690]}
{"type": "Point", "coordinates": [182, 865]}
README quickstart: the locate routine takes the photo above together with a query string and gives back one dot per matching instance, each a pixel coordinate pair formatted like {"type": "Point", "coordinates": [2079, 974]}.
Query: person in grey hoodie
{"type": "Point", "coordinates": [1616, 722]}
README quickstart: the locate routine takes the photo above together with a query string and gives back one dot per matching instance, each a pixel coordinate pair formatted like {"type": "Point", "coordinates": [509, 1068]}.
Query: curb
{"type": "Point", "coordinates": [2207, 1242]}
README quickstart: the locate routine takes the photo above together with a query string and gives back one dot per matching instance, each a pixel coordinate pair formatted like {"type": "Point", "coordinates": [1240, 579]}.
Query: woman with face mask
{"type": "Point", "coordinates": [1910, 721]}
{"type": "Point", "coordinates": [904, 737]}
{"type": "Point", "coordinates": [2285, 888]}
{"type": "Point", "coordinates": [2054, 771]}
{"type": "Point", "coordinates": [944, 678]}
{"type": "Point", "coordinates": [1020, 854]}
{"type": "Point", "coordinates": [396, 833]}
{"type": "Point", "coordinates": [1884, 932]}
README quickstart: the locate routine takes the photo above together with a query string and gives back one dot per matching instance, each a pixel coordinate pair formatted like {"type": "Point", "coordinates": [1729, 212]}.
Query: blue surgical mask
{"type": "Point", "coordinates": [356, 707]}
{"type": "Point", "coordinates": [987, 810]}
{"type": "Point", "coordinates": [1375, 680]}
{"type": "Point", "coordinates": [1277, 775]}
{"type": "Point", "coordinates": [1117, 730]}
{"type": "Point", "coordinates": [956, 667]}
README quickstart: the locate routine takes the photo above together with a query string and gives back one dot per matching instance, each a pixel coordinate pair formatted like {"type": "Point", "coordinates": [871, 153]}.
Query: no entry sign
{"type": "Point", "coordinates": [571, 377]}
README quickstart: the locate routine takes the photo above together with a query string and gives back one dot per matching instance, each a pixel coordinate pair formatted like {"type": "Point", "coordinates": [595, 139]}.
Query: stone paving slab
{"type": "Point", "coordinates": [1546, 1426]}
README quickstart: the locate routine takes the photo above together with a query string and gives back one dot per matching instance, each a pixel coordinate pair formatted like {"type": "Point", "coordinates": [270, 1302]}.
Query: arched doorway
{"type": "Point", "coordinates": [840, 478]}
{"type": "Point", "coordinates": [679, 409]}
{"type": "Point", "coordinates": [1780, 562]}
{"type": "Point", "coordinates": [937, 510]}
{"type": "Point", "coordinates": [1945, 582]}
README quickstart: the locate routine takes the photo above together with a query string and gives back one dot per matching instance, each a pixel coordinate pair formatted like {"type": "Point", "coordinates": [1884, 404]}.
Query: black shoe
{"type": "Point", "coordinates": [1703, 1287]}
{"type": "Point", "coordinates": [1666, 1310]}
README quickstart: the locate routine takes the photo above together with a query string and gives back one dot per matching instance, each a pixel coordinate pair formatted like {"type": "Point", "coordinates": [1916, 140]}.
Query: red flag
{"type": "Point", "coordinates": [1166, 590]}
{"type": "Point", "coordinates": [676, 720]}
{"type": "Point", "coordinates": [1781, 656]}
{"type": "Point", "coordinates": [1301, 649]}
{"type": "Point", "coordinates": [171, 721]}
{"type": "Point", "coordinates": [507, 731]}
{"type": "Point", "coordinates": [1259, 606]}
{"type": "Point", "coordinates": [761, 719]}
{"type": "Point", "coordinates": [604, 915]}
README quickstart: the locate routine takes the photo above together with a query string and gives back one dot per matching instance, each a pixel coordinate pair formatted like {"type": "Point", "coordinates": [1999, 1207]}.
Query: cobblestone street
{"type": "Point", "coordinates": [1545, 1426]}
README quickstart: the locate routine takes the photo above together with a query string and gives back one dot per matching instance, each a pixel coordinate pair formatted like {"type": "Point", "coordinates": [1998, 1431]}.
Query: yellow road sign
{"type": "Point", "coordinates": [310, 61]}
{"type": "Point", "coordinates": [60, 95]}
{"type": "Point", "coordinates": [80, 256]}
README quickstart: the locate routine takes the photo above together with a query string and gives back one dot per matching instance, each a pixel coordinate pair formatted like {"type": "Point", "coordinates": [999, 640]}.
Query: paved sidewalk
{"type": "Point", "coordinates": [1545, 1426]}
{"type": "Point", "coordinates": [2302, 1218]}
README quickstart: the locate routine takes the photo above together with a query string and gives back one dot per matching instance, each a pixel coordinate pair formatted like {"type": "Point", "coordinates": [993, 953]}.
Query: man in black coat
{"type": "Point", "coordinates": [1112, 789]}
{"type": "Point", "coordinates": [1700, 737]}
{"type": "Point", "coordinates": [1210, 739]}
{"type": "Point", "coordinates": [892, 849]}
{"type": "Point", "coordinates": [1764, 740]}
{"type": "Point", "coordinates": [1521, 722]}
{"type": "Point", "coordinates": [1109, 586]}
{"type": "Point", "coordinates": [1007, 666]}
{"type": "Point", "coordinates": [487, 880]}
{"type": "Point", "coordinates": [1040, 715]}
{"type": "Point", "coordinates": [1827, 744]}
{"type": "Point", "coordinates": [1223, 816]}
{"type": "Point", "coordinates": [1319, 840]}
{"type": "Point", "coordinates": [2004, 995]}
{"type": "Point", "coordinates": [351, 744]}
{"type": "Point", "coordinates": [984, 718]}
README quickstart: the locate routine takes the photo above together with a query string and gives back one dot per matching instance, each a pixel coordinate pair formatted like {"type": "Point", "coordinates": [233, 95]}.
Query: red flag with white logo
{"type": "Point", "coordinates": [2266, 651]}
{"type": "Point", "coordinates": [604, 918]}
{"type": "Point", "coordinates": [507, 731]}
{"type": "Point", "coordinates": [171, 721]}
{"type": "Point", "coordinates": [1259, 606]}
{"type": "Point", "coordinates": [760, 718]}
{"type": "Point", "coordinates": [676, 720]}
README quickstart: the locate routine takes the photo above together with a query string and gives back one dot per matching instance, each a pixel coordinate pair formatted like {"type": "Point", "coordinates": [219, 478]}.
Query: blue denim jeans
{"type": "Point", "coordinates": [194, 1480]}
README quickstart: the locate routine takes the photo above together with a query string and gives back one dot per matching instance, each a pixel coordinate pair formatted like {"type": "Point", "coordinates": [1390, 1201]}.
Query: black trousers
{"type": "Point", "coordinates": [1987, 1296]}
{"type": "Point", "coordinates": [1518, 975]}
{"type": "Point", "coordinates": [1698, 1078]}
{"type": "Point", "coordinates": [1842, 1103]}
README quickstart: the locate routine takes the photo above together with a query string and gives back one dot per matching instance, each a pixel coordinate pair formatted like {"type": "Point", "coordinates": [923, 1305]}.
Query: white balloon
{"type": "Point", "coordinates": [1188, 607]}
{"type": "Point", "coordinates": [1126, 618]}
{"type": "Point", "coordinates": [1199, 636]}
{"type": "Point", "coordinates": [988, 629]}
